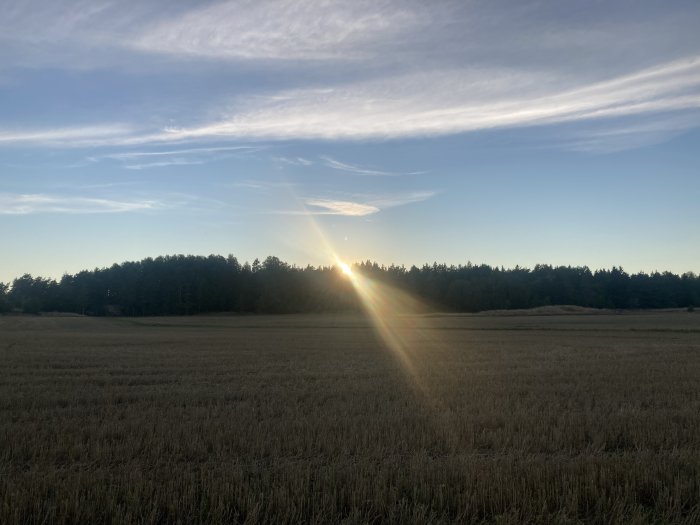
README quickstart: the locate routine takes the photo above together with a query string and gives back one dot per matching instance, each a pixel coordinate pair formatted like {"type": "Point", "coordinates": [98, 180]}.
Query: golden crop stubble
{"type": "Point", "coordinates": [310, 419]}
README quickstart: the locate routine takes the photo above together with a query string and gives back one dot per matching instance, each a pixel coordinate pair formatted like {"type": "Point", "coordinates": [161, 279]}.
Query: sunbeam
{"type": "Point", "coordinates": [398, 321]}
{"type": "Point", "coordinates": [398, 318]}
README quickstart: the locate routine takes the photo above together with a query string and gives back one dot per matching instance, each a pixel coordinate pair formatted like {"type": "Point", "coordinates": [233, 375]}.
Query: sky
{"type": "Point", "coordinates": [507, 133]}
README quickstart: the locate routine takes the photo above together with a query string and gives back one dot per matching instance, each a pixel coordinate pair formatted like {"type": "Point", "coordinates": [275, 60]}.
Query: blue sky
{"type": "Point", "coordinates": [402, 132]}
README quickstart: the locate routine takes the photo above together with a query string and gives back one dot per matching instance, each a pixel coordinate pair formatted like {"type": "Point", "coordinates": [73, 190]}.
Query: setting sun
{"type": "Point", "coordinates": [345, 268]}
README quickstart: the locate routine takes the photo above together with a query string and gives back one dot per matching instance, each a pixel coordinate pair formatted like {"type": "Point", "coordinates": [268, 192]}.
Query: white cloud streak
{"type": "Point", "coordinates": [369, 205]}
{"type": "Point", "coordinates": [628, 135]}
{"type": "Point", "coordinates": [287, 29]}
{"type": "Point", "coordinates": [76, 135]}
{"type": "Point", "coordinates": [33, 203]}
{"type": "Point", "coordinates": [187, 151]}
{"type": "Point", "coordinates": [179, 157]}
{"type": "Point", "coordinates": [381, 69]}
{"type": "Point", "coordinates": [425, 104]}
{"type": "Point", "coordinates": [296, 161]}
{"type": "Point", "coordinates": [337, 207]}
{"type": "Point", "coordinates": [392, 201]}
{"type": "Point", "coordinates": [359, 170]}
{"type": "Point", "coordinates": [452, 102]}
{"type": "Point", "coordinates": [166, 163]}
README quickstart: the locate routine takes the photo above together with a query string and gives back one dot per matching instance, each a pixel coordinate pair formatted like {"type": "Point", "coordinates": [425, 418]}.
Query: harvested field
{"type": "Point", "coordinates": [288, 419]}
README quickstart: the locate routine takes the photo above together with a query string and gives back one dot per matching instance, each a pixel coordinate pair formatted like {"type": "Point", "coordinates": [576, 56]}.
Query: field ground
{"type": "Point", "coordinates": [288, 419]}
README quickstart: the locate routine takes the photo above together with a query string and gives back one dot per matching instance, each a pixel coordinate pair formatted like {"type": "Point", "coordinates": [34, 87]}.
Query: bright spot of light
{"type": "Point", "coordinates": [345, 268]}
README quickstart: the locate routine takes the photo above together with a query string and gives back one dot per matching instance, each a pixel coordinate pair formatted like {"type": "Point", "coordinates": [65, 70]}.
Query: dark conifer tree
{"type": "Point", "coordinates": [184, 285]}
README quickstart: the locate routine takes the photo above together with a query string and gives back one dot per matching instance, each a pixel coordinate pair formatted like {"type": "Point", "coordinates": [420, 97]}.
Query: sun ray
{"type": "Point", "coordinates": [396, 316]}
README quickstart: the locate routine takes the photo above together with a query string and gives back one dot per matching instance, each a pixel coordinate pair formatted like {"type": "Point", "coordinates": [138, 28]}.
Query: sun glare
{"type": "Point", "coordinates": [345, 268]}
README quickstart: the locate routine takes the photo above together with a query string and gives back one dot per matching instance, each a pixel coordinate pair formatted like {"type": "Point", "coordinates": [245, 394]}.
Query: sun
{"type": "Point", "coordinates": [345, 268]}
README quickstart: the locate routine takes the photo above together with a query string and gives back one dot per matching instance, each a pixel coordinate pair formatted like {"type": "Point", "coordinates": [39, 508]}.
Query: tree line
{"type": "Point", "coordinates": [184, 285]}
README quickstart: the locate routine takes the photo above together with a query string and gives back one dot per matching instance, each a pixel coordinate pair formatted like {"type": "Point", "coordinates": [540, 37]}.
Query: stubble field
{"type": "Point", "coordinates": [314, 419]}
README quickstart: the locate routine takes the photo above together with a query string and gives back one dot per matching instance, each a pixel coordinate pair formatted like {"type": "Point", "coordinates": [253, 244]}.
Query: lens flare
{"type": "Point", "coordinates": [345, 268]}
{"type": "Point", "coordinates": [397, 317]}
{"type": "Point", "coordinates": [401, 324]}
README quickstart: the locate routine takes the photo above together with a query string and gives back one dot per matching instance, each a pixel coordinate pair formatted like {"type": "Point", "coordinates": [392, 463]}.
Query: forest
{"type": "Point", "coordinates": [186, 284]}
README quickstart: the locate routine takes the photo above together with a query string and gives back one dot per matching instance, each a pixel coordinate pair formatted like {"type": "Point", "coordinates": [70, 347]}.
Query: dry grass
{"type": "Point", "coordinates": [558, 419]}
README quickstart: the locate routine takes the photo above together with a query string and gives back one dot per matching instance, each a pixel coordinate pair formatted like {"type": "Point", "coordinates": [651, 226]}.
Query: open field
{"type": "Point", "coordinates": [222, 419]}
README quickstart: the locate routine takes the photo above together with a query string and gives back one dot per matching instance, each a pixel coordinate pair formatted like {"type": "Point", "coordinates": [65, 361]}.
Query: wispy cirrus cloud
{"type": "Point", "coordinates": [178, 152]}
{"type": "Point", "coordinates": [452, 68]}
{"type": "Point", "coordinates": [254, 184]}
{"type": "Point", "coordinates": [76, 135]}
{"type": "Point", "coordinates": [294, 161]}
{"type": "Point", "coordinates": [456, 101]}
{"type": "Point", "coordinates": [359, 170]}
{"type": "Point", "coordinates": [400, 199]}
{"type": "Point", "coordinates": [338, 207]}
{"type": "Point", "coordinates": [626, 135]}
{"type": "Point", "coordinates": [361, 206]}
{"type": "Point", "coordinates": [306, 30]}
{"type": "Point", "coordinates": [139, 160]}
{"type": "Point", "coordinates": [165, 163]}
{"type": "Point", "coordinates": [33, 203]}
{"type": "Point", "coordinates": [300, 29]}
{"type": "Point", "coordinates": [417, 105]}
